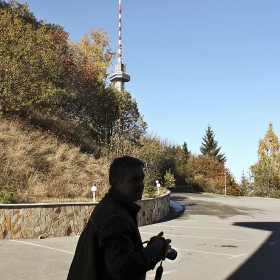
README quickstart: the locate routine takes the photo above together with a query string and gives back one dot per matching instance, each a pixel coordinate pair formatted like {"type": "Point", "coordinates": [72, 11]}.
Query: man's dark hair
{"type": "Point", "coordinates": [118, 166]}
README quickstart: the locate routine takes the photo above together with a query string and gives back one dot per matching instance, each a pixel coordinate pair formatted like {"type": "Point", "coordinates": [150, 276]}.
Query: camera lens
{"type": "Point", "coordinates": [171, 254]}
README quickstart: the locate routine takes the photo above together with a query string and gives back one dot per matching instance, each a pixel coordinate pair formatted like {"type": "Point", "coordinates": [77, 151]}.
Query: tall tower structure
{"type": "Point", "coordinates": [119, 77]}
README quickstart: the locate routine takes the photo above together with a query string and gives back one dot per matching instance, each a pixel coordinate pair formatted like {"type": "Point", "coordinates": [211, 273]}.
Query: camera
{"type": "Point", "coordinates": [171, 254]}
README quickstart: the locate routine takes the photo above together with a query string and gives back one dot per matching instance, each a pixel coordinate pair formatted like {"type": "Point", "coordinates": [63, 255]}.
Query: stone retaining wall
{"type": "Point", "coordinates": [153, 209]}
{"type": "Point", "coordinates": [63, 219]}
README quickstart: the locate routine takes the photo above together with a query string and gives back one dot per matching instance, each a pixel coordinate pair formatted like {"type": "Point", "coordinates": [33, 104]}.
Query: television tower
{"type": "Point", "coordinates": [119, 77]}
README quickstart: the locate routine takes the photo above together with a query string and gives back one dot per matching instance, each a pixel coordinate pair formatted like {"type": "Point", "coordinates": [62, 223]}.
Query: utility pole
{"type": "Point", "coordinates": [225, 183]}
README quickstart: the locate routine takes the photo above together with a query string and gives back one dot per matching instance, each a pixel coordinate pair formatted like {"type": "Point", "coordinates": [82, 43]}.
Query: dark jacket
{"type": "Point", "coordinates": [110, 246]}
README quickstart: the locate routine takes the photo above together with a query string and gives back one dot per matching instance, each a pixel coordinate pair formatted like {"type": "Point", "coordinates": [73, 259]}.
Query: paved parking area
{"type": "Point", "coordinates": [216, 238]}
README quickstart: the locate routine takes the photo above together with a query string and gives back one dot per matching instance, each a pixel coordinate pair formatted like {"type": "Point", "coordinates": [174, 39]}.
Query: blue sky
{"type": "Point", "coordinates": [192, 63]}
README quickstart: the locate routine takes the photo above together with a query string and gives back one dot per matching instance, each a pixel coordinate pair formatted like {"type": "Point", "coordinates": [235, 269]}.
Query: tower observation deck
{"type": "Point", "coordinates": [119, 77]}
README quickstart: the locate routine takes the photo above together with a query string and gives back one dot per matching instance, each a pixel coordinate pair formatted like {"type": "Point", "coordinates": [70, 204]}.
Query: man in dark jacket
{"type": "Point", "coordinates": [110, 246]}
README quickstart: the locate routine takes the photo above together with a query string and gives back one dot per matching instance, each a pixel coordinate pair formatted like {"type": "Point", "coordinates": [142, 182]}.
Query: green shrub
{"type": "Point", "coordinates": [7, 193]}
{"type": "Point", "coordinates": [169, 180]}
{"type": "Point", "coordinates": [149, 186]}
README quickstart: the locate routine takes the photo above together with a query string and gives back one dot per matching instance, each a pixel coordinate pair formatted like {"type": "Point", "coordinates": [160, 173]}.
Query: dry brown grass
{"type": "Point", "coordinates": [42, 168]}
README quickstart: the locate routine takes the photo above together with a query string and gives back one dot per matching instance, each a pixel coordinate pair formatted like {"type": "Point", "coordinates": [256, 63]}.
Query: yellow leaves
{"type": "Point", "coordinates": [269, 146]}
{"type": "Point", "coordinates": [94, 47]}
{"type": "Point", "coordinates": [266, 171]}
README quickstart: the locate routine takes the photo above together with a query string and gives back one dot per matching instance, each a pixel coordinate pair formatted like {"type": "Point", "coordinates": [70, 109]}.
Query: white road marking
{"type": "Point", "coordinates": [213, 221]}
{"type": "Point", "coordinates": [212, 253]}
{"type": "Point", "coordinates": [205, 237]}
{"type": "Point", "coordinates": [217, 228]}
{"type": "Point", "coordinates": [46, 247]}
{"type": "Point", "coordinates": [197, 227]}
{"type": "Point", "coordinates": [237, 256]}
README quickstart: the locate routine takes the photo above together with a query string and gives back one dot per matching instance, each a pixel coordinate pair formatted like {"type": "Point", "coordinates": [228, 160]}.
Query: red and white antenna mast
{"type": "Point", "coordinates": [119, 77]}
{"type": "Point", "coordinates": [120, 33]}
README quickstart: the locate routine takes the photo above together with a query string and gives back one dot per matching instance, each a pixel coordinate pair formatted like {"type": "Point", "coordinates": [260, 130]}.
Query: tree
{"type": "Point", "coordinates": [161, 157]}
{"type": "Point", "coordinates": [208, 175]}
{"type": "Point", "coordinates": [109, 106]}
{"type": "Point", "coordinates": [94, 46]}
{"type": "Point", "coordinates": [246, 185]}
{"type": "Point", "coordinates": [152, 152]}
{"type": "Point", "coordinates": [169, 179]}
{"type": "Point", "coordinates": [29, 72]}
{"type": "Point", "coordinates": [266, 172]}
{"type": "Point", "coordinates": [179, 156]}
{"type": "Point", "coordinates": [187, 153]}
{"type": "Point", "coordinates": [98, 107]}
{"type": "Point", "coordinates": [42, 72]}
{"type": "Point", "coordinates": [209, 146]}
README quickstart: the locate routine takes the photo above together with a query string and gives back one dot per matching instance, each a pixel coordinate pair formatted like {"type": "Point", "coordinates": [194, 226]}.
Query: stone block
{"type": "Point", "coordinates": [57, 232]}
{"type": "Point", "coordinates": [68, 230]}
{"type": "Point", "coordinates": [57, 210]}
{"type": "Point", "coordinates": [28, 234]}
{"type": "Point", "coordinates": [16, 230]}
{"type": "Point", "coordinates": [53, 215]}
{"type": "Point", "coordinates": [15, 218]}
{"type": "Point", "coordinates": [7, 223]}
{"type": "Point", "coordinates": [37, 229]}
{"type": "Point", "coordinates": [28, 212]}
{"type": "Point", "coordinates": [62, 226]}
{"type": "Point", "coordinates": [54, 219]}
{"type": "Point", "coordinates": [69, 210]}
{"type": "Point", "coordinates": [38, 211]}
{"type": "Point", "coordinates": [48, 211]}
{"type": "Point", "coordinates": [55, 225]}
{"type": "Point", "coordinates": [70, 216]}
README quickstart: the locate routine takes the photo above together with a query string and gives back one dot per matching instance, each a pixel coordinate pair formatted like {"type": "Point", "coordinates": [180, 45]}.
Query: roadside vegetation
{"type": "Point", "coordinates": [61, 123]}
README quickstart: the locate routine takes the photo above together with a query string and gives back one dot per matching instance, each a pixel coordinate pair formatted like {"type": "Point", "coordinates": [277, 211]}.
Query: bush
{"type": "Point", "coordinates": [169, 180]}
{"type": "Point", "coordinates": [149, 187]}
{"type": "Point", "coordinates": [7, 193]}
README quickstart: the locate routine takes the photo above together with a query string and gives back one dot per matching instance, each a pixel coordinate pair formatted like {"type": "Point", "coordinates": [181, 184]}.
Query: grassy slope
{"type": "Point", "coordinates": [42, 168]}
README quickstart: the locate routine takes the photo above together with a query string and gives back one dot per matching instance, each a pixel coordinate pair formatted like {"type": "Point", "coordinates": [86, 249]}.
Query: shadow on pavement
{"type": "Point", "coordinates": [265, 262]}
{"type": "Point", "coordinates": [177, 197]}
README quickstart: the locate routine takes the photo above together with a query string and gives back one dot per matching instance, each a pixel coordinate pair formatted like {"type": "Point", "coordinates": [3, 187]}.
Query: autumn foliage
{"type": "Point", "coordinates": [61, 123]}
{"type": "Point", "coordinates": [266, 171]}
{"type": "Point", "coordinates": [43, 73]}
{"type": "Point", "coordinates": [208, 175]}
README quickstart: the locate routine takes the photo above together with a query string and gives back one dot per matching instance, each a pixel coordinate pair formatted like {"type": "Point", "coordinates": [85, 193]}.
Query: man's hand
{"type": "Point", "coordinates": [160, 244]}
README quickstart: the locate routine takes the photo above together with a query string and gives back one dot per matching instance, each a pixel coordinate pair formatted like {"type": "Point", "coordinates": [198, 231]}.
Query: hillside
{"type": "Point", "coordinates": [39, 167]}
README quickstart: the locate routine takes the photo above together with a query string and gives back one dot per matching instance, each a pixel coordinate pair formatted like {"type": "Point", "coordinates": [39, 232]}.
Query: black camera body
{"type": "Point", "coordinates": [171, 253]}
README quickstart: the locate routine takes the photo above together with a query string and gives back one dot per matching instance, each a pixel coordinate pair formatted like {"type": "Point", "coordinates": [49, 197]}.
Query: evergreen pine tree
{"type": "Point", "coordinates": [246, 185]}
{"type": "Point", "coordinates": [209, 146]}
{"type": "Point", "coordinates": [187, 153]}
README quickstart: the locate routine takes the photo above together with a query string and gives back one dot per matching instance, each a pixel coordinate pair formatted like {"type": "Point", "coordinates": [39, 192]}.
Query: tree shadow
{"type": "Point", "coordinates": [177, 197]}
{"type": "Point", "coordinates": [265, 262]}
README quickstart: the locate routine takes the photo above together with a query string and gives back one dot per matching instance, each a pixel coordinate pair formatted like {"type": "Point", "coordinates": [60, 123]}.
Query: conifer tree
{"type": "Point", "coordinates": [209, 146]}
{"type": "Point", "coordinates": [246, 184]}
{"type": "Point", "coordinates": [187, 153]}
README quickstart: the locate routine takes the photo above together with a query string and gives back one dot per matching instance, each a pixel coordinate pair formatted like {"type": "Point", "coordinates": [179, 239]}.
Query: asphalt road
{"type": "Point", "coordinates": [216, 238]}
